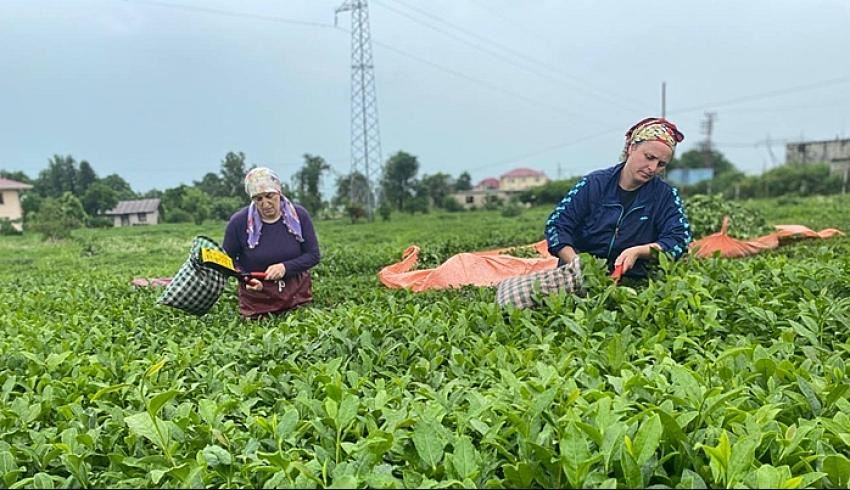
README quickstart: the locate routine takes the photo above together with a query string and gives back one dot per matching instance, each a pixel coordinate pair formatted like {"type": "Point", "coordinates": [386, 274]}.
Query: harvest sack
{"type": "Point", "coordinates": [195, 288]}
{"type": "Point", "coordinates": [276, 296]}
{"type": "Point", "coordinates": [520, 291]}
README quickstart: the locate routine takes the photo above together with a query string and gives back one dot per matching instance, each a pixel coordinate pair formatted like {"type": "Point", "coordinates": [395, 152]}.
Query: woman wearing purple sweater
{"type": "Point", "coordinates": [276, 237]}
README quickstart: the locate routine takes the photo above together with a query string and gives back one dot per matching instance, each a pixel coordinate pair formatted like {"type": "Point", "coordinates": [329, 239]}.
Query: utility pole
{"type": "Point", "coordinates": [559, 170]}
{"type": "Point", "coordinates": [707, 129]}
{"type": "Point", "coordinates": [365, 133]}
{"type": "Point", "coordinates": [769, 145]}
{"type": "Point", "coordinates": [663, 99]}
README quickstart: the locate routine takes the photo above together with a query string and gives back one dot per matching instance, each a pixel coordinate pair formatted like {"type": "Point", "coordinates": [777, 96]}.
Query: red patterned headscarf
{"type": "Point", "coordinates": [652, 129]}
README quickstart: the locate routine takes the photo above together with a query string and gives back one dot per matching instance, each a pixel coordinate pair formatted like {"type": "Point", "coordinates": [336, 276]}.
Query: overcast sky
{"type": "Point", "coordinates": [160, 91]}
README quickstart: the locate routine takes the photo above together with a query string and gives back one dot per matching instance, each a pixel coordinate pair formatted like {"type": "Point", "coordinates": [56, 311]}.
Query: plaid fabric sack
{"type": "Point", "coordinates": [195, 288]}
{"type": "Point", "coordinates": [522, 291]}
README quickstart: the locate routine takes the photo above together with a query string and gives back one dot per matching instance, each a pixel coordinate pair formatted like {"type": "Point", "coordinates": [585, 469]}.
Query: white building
{"type": "Point", "coordinates": [835, 153]}
{"type": "Point", "coordinates": [138, 212]}
{"type": "Point", "coordinates": [10, 201]}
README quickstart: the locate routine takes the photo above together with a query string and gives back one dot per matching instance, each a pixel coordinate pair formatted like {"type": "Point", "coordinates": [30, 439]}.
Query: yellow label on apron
{"type": "Point", "coordinates": [212, 256]}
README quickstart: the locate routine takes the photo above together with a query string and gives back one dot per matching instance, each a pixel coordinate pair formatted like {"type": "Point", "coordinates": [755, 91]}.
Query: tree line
{"type": "Point", "coordinates": [68, 194]}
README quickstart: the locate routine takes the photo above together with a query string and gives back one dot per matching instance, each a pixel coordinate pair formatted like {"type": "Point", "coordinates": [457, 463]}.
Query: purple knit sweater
{"type": "Point", "coordinates": [276, 244]}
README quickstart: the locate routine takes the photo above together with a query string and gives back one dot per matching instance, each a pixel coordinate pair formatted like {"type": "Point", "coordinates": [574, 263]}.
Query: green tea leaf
{"type": "Point", "coordinates": [647, 438]}
{"type": "Point", "coordinates": [428, 443]}
{"type": "Point", "coordinates": [347, 410]}
{"type": "Point", "coordinates": [837, 468]}
{"type": "Point", "coordinates": [217, 456]}
{"type": "Point", "coordinates": [155, 368]}
{"type": "Point", "coordinates": [143, 425]}
{"type": "Point", "coordinates": [465, 458]}
{"type": "Point", "coordinates": [109, 389]}
{"type": "Point", "coordinates": [159, 400]}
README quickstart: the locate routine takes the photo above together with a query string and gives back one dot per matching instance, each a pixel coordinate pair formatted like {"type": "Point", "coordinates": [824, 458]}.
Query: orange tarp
{"type": "Point", "coordinates": [731, 248]}
{"type": "Point", "coordinates": [487, 268]}
{"type": "Point", "coordinates": [471, 268]}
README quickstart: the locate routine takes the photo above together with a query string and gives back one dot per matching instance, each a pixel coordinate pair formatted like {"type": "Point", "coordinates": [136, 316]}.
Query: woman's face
{"type": "Point", "coordinates": [268, 204]}
{"type": "Point", "coordinates": [647, 159]}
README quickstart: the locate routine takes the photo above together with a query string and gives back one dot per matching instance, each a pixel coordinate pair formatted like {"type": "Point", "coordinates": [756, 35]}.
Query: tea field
{"type": "Point", "coordinates": [715, 373]}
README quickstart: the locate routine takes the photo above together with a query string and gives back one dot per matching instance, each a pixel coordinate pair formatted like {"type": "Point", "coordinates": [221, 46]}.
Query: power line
{"type": "Point", "coordinates": [512, 22]}
{"type": "Point", "coordinates": [230, 13]}
{"type": "Point", "coordinates": [560, 78]}
{"type": "Point", "coordinates": [532, 153]}
{"type": "Point", "coordinates": [236, 14]}
{"type": "Point", "coordinates": [766, 95]}
{"type": "Point", "coordinates": [484, 83]}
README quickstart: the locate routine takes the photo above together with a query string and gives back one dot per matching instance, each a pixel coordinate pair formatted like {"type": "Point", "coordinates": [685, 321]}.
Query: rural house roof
{"type": "Point", "coordinates": [137, 206]}
{"type": "Point", "coordinates": [490, 183]}
{"type": "Point", "coordinates": [6, 184]}
{"type": "Point", "coordinates": [523, 172]}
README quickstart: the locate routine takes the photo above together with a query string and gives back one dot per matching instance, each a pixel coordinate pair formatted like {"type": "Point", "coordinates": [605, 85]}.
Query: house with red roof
{"type": "Point", "coordinates": [490, 183]}
{"type": "Point", "coordinates": [10, 201]}
{"type": "Point", "coordinates": [520, 179]}
{"type": "Point", "coordinates": [493, 190]}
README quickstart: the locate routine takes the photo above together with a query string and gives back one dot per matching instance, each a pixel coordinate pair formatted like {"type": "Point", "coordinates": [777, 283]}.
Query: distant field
{"type": "Point", "coordinates": [717, 372]}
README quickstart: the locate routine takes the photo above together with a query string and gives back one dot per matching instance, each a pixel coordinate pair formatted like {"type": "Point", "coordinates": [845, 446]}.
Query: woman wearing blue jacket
{"type": "Point", "coordinates": [623, 212]}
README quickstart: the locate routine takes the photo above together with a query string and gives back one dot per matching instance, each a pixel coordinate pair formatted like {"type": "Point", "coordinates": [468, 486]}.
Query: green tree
{"type": "Point", "coordinates": [438, 186]}
{"type": "Point", "coordinates": [307, 181]}
{"type": "Point", "coordinates": [85, 177]}
{"type": "Point", "coordinates": [197, 204]}
{"type": "Point", "coordinates": [548, 194]}
{"type": "Point", "coordinates": [16, 175]}
{"type": "Point", "coordinates": [421, 200]}
{"type": "Point", "coordinates": [171, 203]}
{"type": "Point", "coordinates": [213, 185]}
{"type": "Point", "coordinates": [59, 177]}
{"type": "Point", "coordinates": [99, 197]}
{"type": "Point", "coordinates": [122, 189]}
{"type": "Point", "coordinates": [30, 204]}
{"type": "Point", "coordinates": [399, 179]}
{"type": "Point", "coordinates": [223, 207]}
{"type": "Point", "coordinates": [184, 203]}
{"type": "Point", "coordinates": [233, 174]}
{"type": "Point", "coordinates": [57, 217]}
{"type": "Point", "coordinates": [697, 158]}
{"type": "Point", "coordinates": [343, 190]}
{"type": "Point", "coordinates": [152, 194]}
{"type": "Point", "coordinates": [463, 182]}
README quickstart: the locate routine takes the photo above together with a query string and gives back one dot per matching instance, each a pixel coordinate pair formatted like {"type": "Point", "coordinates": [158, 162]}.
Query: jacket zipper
{"type": "Point", "coordinates": [617, 227]}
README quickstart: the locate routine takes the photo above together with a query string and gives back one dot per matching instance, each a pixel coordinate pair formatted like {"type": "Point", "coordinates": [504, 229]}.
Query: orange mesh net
{"type": "Point", "coordinates": [489, 267]}
{"type": "Point", "coordinates": [485, 268]}
{"type": "Point", "coordinates": [729, 247]}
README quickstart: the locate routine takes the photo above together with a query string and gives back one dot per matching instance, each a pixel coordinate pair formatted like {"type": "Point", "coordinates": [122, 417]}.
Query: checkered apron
{"type": "Point", "coordinates": [525, 291]}
{"type": "Point", "coordinates": [195, 288]}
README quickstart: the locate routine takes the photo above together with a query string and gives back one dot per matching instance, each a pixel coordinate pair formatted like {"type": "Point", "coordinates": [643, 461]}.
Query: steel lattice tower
{"type": "Point", "coordinates": [365, 133]}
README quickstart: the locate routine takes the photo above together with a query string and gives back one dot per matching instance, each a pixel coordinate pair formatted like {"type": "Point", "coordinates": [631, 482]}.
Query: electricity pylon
{"type": "Point", "coordinates": [365, 133]}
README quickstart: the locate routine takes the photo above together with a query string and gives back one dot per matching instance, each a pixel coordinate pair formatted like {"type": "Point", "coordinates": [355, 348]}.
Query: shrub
{"type": "Point", "coordinates": [7, 228]}
{"type": "Point", "coordinates": [385, 211]}
{"type": "Point", "coordinates": [451, 205]}
{"type": "Point", "coordinates": [56, 218]}
{"type": "Point", "coordinates": [179, 216]}
{"type": "Point", "coordinates": [99, 222]}
{"type": "Point", "coordinates": [511, 211]}
{"type": "Point", "coordinates": [355, 212]}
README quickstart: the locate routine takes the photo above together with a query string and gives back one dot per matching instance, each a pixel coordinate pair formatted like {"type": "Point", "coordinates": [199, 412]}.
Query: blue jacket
{"type": "Point", "coordinates": [591, 219]}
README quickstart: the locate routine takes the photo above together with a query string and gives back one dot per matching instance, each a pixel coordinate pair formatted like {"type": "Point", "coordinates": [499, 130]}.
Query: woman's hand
{"type": "Point", "coordinates": [629, 256]}
{"type": "Point", "coordinates": [275, 272]}
{"type": "Point", "coordinates": [254, 284]}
